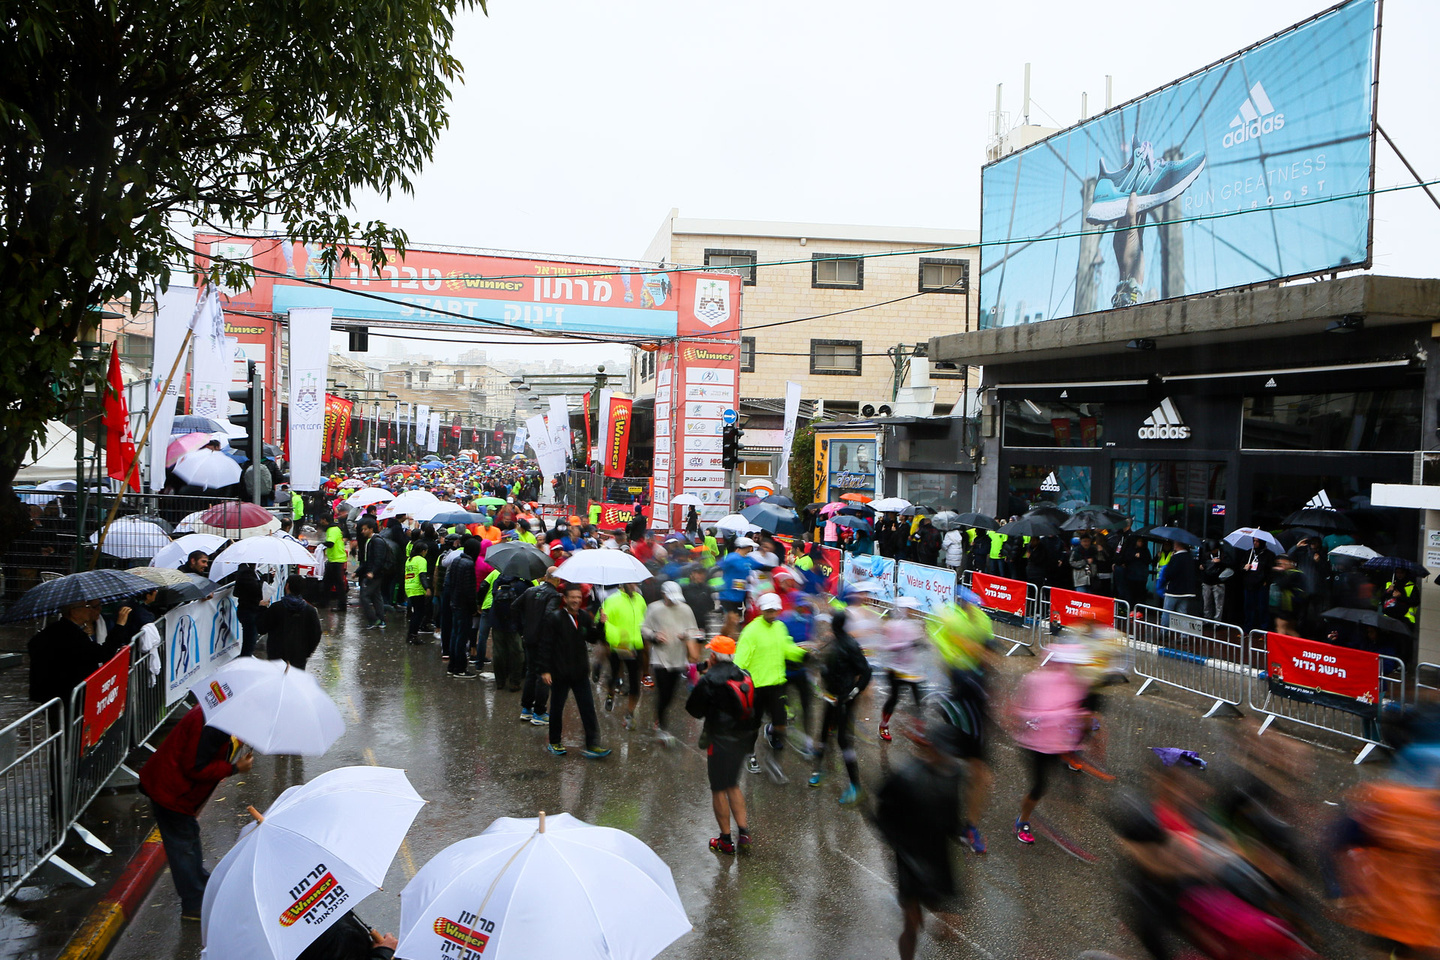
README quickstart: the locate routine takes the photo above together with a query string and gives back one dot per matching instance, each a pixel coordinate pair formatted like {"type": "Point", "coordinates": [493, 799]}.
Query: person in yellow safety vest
{"type": "Point", "coordinates": [622, 613]}
{"type": "Point", "coordinates": [335, 583]}
{"type": "Point", "coordinates": [964, 636]}
{"type": "Point", "coordinates": [710, 549]}
{"type": "Point", "coordinates": [1400, 595]}
{"type": "Point", "coordinates": [997, 547]}
{"type": "Point", "coordinates": [594, 514]}
{"type": "Point", "coordinates": [297, 508]}
{"type": "Point", "coordinates": [417, 589]}
{"type": "Point", "coordinates": [525, 536]}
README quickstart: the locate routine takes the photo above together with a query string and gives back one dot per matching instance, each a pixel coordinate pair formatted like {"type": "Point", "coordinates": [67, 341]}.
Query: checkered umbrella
{"type": "Point", "coordinates": [55, 595]}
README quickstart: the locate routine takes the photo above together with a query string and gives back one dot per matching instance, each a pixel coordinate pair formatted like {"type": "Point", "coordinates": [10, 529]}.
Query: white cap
{"type": "Point", "coordinates": [908, 603]}
{"type": "Point", "coordinates": [672, 591]}
{"type": "Point", "coordinates": [744, 542]}
{"type": "Point", "coordinates": [770, 601]}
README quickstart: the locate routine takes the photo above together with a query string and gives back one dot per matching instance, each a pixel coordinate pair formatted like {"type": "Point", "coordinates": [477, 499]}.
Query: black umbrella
{"type": "Point", "coordinates": [1052, 513]}
{"type": "Point", "coordinates": [1176, 534]}
{"type": "Point", "coordinates": [1392, 565]}
{"type": "Point", "coordinates": [1028, 526]}
{"type": "Point", "coordinates": [856, 510]}
{"type": "Point", "coordinates": [917, 510]}
{"type": "Point", "coordinates": [780, 501]}
{"type": "Point", "coordinates": [817, 505]}
{"type": "Point", "coordinates": [1368, 618]}
{"type": "Point", "coordinates": [854, 523]}
{"type": "Point", "coordinates": [1093, 518]}
{"type": "Point", "coordinates": [977, 520]}
{"type": "Point", "coordinates": [1318, 518]}
{"type": "Point", "coordinates": [516, 559]}
{"type": "Point", "coordinates": [54, 595]}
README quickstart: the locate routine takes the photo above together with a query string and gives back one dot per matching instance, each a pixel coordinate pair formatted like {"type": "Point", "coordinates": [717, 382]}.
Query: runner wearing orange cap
{"type": "Point", "coordinates": [725, 699]}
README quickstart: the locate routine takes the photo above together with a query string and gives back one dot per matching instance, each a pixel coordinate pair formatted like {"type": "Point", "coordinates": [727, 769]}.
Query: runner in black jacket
{"type": "Point", "coordinates": [563, 656]}
{"type": "Point", "coordinates": [844, 673]}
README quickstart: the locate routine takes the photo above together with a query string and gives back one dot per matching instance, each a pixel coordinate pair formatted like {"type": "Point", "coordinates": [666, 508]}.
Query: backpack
{"type": "Point", "coordinates": [506, 591]}
{"type": "Point", "coordinates": [743, 689]}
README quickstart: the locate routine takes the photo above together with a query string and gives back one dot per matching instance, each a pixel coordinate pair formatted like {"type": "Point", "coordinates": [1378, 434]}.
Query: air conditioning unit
{"type": "Point", "coordinates": [876, 408]}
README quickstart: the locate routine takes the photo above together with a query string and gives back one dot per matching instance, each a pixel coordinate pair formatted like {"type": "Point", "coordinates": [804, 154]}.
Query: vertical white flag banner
{"type": "Point", "coordinates": [792, 412]}
{"type": "Point", "coordinates": [422, 424]}
{"type": "Point", "coordinates": [309, 369]}
{"type": "Point", "coordinates": [432, 432]}
{"type": "Point", "coordinates": [559, 423]}
{"type": "Point", "coordinates": [520, 434]}
{"type": "Point", "coordinates": [602, 423]}
{"type": "Point", "coordinates": [214, 360]}
{"type": "Point", "coordinates": [174, 310]}
{"type": "Point", "coordinates": [539, 436]}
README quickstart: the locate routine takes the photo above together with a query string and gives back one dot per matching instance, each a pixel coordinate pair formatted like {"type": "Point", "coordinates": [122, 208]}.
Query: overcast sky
{"type": "Point", "coordinates": [580, 124]}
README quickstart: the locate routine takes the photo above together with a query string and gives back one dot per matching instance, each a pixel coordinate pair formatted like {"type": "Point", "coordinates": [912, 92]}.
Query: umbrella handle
{"type": "Point", "coordinates": [259, 817]}
{"type": "Point", "coordinates": [542, 821]}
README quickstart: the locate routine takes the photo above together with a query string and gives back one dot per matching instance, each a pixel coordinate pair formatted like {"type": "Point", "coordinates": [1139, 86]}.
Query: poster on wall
{"type": "Point", "coordinates": [199, 637]}
{"type": "Point", "coordinates": [934, 587]}
{"type": "Point", "coordinates": [878, 570]}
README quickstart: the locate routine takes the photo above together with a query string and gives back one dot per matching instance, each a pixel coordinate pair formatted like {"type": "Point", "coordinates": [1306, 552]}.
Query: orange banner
{"type": "Point", "coordinates": [617, 445]}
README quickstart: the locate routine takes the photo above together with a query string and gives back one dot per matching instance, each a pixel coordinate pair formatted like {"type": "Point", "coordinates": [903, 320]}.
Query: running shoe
{"type": "Point", "coordinates": [647, 681]}
{"type": "Point", "coordinates": [1152, 182]}
{"type": "Point", "coordinates": [629, 721]}
{"type": "Point", "coordinates": [526, 714]}
{"type": "Point", "coordinates": [754, 765]}
{"type": "Point", "coordinates": [721, 845]}
{"type": "Point", "coordinates": [971, 838]}
{"type": "Point", "coordinates": [742, 841]}
{"type": "Point", "coordinates": [817, 778]}
{"type": "Point", "coordinates": [1022, 832]}
{"type": "Point", "coordinates": [595, 753]}
{"type": "Point", "coordinates": [773, 771]}
{"type": "Point", "coordinates": [609, 702]}
{"type": "Point", "coordinates": [540, 719]}
{"type": "Point", "coordinates": [885, 732]}
{"type": "Point", "coordinates": [554, 749]}
{"type": "Point", "coordinates": [851, 795]}
{"type": "Point", "coordinates": [462, 676]}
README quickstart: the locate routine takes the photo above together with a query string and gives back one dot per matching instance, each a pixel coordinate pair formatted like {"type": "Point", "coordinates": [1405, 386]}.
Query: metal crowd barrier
{"type": "Point", "coordinates": [1354, 726]}
{"type": "Point", "coordinates": [145, 697]}
{"type": "Point", "coordinates": [32, 794]}
{"type": "Point", "coordinates": [1018, 631]}
{"type": "Point", "coordinates": [91, 770]}
{"type": "Point", "coordinates": [1205, 657]}
{"type": "Point", "coordinates": [1050, 621]}
{"type": "Point", "coordinates": [1420, 684]}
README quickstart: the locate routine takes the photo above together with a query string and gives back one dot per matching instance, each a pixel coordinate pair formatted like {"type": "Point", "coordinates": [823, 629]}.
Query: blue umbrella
{"type": "Point", "coordinates": [458, 516]}
{"type": "Point", "coordinates": [768, 516]}
{"type": "Point", "coordinates": [1176, 534]}
{"type": "Point", "coordinates": [854, 523]}
{"type": "Point", "coordinates": [55, 595]}
{"type": "Point", "coordinates": [432, 465]}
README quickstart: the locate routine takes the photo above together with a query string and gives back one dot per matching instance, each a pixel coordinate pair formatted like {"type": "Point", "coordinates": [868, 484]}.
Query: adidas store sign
{"type": "Point", "coordinates": [1257, 117]}
{"type": "Point", "coordinates": [1164, 423]}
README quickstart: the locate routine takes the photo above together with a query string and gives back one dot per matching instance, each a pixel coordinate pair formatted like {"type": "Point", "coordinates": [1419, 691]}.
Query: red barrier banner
{"type": "Point", "coordinates": [998, 593]}
{"type": "Point", "coordinates": [1307, 667]}
{"type": "Point", "coordinates": [829, 561]}
{"type": "Point", "coordinates": [1068, 608]}
{"type": "Point", "coordinates": [614, 516]}
{"type": "Point", "coordinates": [105, 691]}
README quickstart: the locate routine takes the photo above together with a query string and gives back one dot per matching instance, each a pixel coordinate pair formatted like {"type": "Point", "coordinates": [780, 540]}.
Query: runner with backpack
{"type": "Point", "coordinates": [725, 699]}
{"type": "Point", "coordinates": [507, 652]}
{"type": "Point", "coordinates": [845, 673]}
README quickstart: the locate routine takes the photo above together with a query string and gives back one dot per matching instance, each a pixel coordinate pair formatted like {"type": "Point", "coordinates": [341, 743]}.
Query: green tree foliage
{"type": "Point", "coordinates": [802, 466]}
{"type": "Point", "coordinates": [126, 125]}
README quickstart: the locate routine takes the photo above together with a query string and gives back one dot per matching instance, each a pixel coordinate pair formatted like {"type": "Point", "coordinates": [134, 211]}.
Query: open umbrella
{"type": "Point", "coordinates": [264, 901]}
{"type": "Point", "coordinates": [980, 520]}
{"type": "Point", "coordinates": [182, 445]}
{"type": "Point", "coordinates": [687, 500]}
{"type": "Point", "coordinates": [1176, 534]}
{"type": "Point", "coordinates": [946, 520]}
{"type": "Point", "coordinates": [235, 521]}
{"type": "Point", "coordinates": [160, 522]}
{"type": "Point", "coordinates": [736, 523]}
{"type": "Point", "coordinates": [502, 892]}
{"type": "Point", "coordinates": [51, 596]}
{"type": "Point", "coordinates": [352, 483]}
{"type": "Point", "coordinates": [515, 559]}
{"type": "Point", "coordinates": [271, 707]}
{"type": "Point", "coordinates": [1392, 565]}
{"type": "Point", "coordinates": [1244, 538]}
{"type": "Point", "coordinates": [830, 509]}
{"type": "Point", "coordinates": [276, 551]}
{"type": "Point", "coordinates": [1093, 518]}
{"type": "Point", "coordinates": [1028, 526]}
{"type": "Point", "coordinates": [194, 424]}
{"type": "Point", "coordinates": [209, 469]}
{"type": "Point", "coordinates": [775, 519]}
{"type": "Point", "coordinates": [1355, 551]}
{"type": "Point", "coordinates": [131, 538]}
{"type": "Point", "coordinates": [602, 568]}
{"type": "Point", "coordinates": [420, 504]}
{"type": "Point", "coordinates": [889, 504]}
{"type": "Point", "coordinates": [463, 517]}
{"type": "Point", "coordinates": [780, 500]}
{"type": "Point", "coordinates": [369, 495]}
{"type": "Point", "coordinates": [853, 523]}
{"type": "Point", "coordinates": [1368, 618]}
{"type": "Point", "coordinates": [433, 465]}
{"type": "Point", "coordinates": [177, 586]}
{"type": "Point", "coordinates": [1318, 518]}
{"type": "Point", "coordinates": [917, 510]}
{"type": "Point", "coordinates": [1049, 511]}
{"type": "Point", "coordinates": [490, 501]}
{"type": "Point", "coordinates": [856, 497]}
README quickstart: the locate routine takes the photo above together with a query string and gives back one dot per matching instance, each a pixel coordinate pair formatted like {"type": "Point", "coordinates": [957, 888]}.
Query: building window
{"type": "Point", "coordinates": [835, 271]}
{"type": "Point", "coordinates": [1189, 494]}
{"type": "Point", "coordinates": [1032, 484]}
{"type": "Point", "coordinates": [835, 357]}
{"type": "Point", "coordinates": [1053, 423]}
{"type": "Point", "coordinates": [459, 378]}
{"type": "Point", "coordinates": [424, 376]}
{"type": "Point", "coordinates": [747, 354]}
{"type": "Point", "coordinates": [942, 275]}
{"type": "Point", "coordinates": [742, 260]}
{"type": "Point", "coordinates": [1357, 420]}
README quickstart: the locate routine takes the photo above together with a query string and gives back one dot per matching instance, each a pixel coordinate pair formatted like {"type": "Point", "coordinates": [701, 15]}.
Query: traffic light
{"type": "Point", "coordinates": [730, 446]}
{"type": "Point", "coordinates": [251, 417]}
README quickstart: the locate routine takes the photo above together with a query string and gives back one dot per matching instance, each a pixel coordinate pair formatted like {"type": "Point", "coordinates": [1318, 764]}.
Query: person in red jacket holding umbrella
{"type": "Point", "coordinates": [178, 779]}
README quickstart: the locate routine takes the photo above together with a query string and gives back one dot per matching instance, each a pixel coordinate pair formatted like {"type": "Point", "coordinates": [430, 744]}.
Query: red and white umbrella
{"type": "Point", "coordinates": [237, 521]}
{"type": "Point", "coordinates": [189, 443]}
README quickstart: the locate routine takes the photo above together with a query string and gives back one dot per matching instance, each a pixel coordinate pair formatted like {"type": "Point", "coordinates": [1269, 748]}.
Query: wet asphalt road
{"type": "Point", "coordinates": [818, 882]}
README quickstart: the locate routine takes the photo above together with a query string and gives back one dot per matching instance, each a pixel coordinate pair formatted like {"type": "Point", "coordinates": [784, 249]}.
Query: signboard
{"type": "Point", "coordinates": [1253, 169]}
{"type": "Point", "coordinates": [829, 562]}
{"type": "Point", "coordinates": [199, 637]}
{"type": "Point", "coordinates": [876, 569]}
{"type": "Point", "coordinates": [1068, 608]}
{"type": "Point", "coordinates": [1316, 672]}
{"type": "Point", "coordinates": [1000, 594]}
{"type": "Point", "coordinates": [105, 691]}
{"type": "Point", "coordinates": [614, 516]}
{"type": "Point", "coordinates": [934, 587]}
{"type": "Point", "coordinates": [617, 444]}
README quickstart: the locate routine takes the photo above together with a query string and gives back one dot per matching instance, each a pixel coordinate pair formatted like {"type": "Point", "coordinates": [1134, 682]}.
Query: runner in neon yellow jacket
{"type": "Point", "coordinates": [622, 613]}
{"type": "Point", "coordinates": [764, 648]}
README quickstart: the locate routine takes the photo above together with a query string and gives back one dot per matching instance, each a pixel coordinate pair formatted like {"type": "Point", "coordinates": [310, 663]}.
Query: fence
{"type": "Point", "coordinates": [1205, 657]}
{"type": "Point", "coordinates": [1012, 605]}
{"type": "Point", "coordinates": [1421, 669]}
{"type": "Point", "coordinates": [1066, 608]}
{"type": "Point", "coordinates": [1357, 718]}
{"type": "Point", "coordinates": [32, 778]}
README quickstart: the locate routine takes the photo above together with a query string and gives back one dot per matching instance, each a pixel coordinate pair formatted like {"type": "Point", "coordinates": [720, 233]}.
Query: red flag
{"type": "Point", "coordinates": [119, 441]}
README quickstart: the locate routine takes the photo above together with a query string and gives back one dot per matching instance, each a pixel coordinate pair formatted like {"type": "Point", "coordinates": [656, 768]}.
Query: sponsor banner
{"type": "Point", "coordinates": [173, 309]}
{"type": "Point", "coordinates": [714, 393]}
{"type": "Point", "coordinates": [662, 381]}
{"type": "Point", "coordinates": [662, 410]}
{"type": "Point", "coordinates": [716, 353]}
{"type": "Point", "coordinates": [932, 586]}
{"type": "Point", "coordinates": [710, 514]}
{"type": "Point", "coordinates": [199, 637]}
{"type": "Point", "coordinates": [662, 444]}
{"type": "Point", "coordinates": [1315, 672]}
{"type": "Point", "coordinates": [1068, 608]}
{"type": "Point", "coordinates": [828, 562]}
{"type": "Point", "coordinates": [105, 698]}
{"type": "Point", "coordinates": [1254, 169]}
{"type": "Point", "coordinates": [873, 568]}
{"type": "Point", "coordinates": [212, 360]}
{"type": "Point", "coordinates": [617, 443]}
{"type": "Point", "coordinates": [559, 423]}
{"type": "Point", "coordinates": [614, 516]}
{"type": "Point", "coordinates": [792, 413]}
{"type": "Point", "coordinates": [704, 461]}
{"type": "Point", "coordinates": [702, 445]}
{"type": "Point", "coordinates": [702, 478]}
{"type": "Point", "coordinates": [337, 426]}
{"type": "Point", "coordinates": [432, 432]}
{"type": "Point", "coordinates": [422, 424]}
{"type": "Point", "coordinates": [704, 428]}
{"type": "Point", "coordinates": [662, 429]}
{"type": "Point", "coordinates": [999, 593]}
{"type": "Point", "coordinates": [309, 367]}
{"type": "Point", "coordinates": [710, 375]}
{"type": "Point", "coordinates": [705, 411]}
{"type": "Point", "coordinates": [521, 432]}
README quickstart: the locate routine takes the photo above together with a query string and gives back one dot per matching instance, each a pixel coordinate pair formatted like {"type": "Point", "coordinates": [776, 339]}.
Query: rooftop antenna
{"type": "Point", "coordinates": [1027, 95]}
{"type": "Point", "coordinates": [1084, 105]}
{"type": "Point", "coordinates": [998, 88]}
{"type": "Point", "coordinates": [1108, 88]}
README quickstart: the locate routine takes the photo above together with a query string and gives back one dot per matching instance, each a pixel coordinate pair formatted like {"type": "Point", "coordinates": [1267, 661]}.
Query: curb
{"type": "Point", "coordinates": [115, 910]}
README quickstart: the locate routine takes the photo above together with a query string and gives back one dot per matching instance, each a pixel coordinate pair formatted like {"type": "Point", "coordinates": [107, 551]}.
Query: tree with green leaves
{"type": "Point", "coordinates": [802, 465]}
{"type": "Point", "coordinates": [127, 125]}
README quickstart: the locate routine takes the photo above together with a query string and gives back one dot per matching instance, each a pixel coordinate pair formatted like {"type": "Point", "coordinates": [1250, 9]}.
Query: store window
{"type": "Point", "coordinates": [852, 467]}
{"type": "Point", "coordinates": [1031, 484]}
{"type": "Point", "coordinates": [938, 490]}
{"type": "Point", "coordinates": [1054, 423]}
{"type": "Point", "coordinates": [1361, 420]}
{"type": "Point", "coordinates": [1188, 494]}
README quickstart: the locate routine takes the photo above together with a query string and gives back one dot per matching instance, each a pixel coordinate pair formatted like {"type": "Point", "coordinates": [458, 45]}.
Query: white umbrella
{"type": "Point", "coordinates": [602, 568]}
{"type": "Point", "coordinates": [352, 483]}
{"type": "Point", "coordinates": [207, 468]}
{"type": "Point", "coordinates": [189, 521]}
{"type": "Point", "coordinates": [420, 504]}
{"type": "Point", "coordinates": [271, 707]}
{"type": "Point", "coordinates": [1357, 550]}
{"type": "Point", "coordinates": [889, 505]}
{"type": "Point", "coordinates": [734, 523]}
{"type": "Point", "coordinates": [1244, 539]}
{"type": "Point", "coordinates": [687, 500]}
{"type": "Point", "coordinates": [177, 551]}
{"type": "Point", "coordinates": [280, 551]}
{"type": "Point", "coordinates": [131, 538]}
{"type": "Point", "coordinates": [555, 887]}
{"type": "Point", "coordinates": [320, 849]}
{"type": "Point", "coordinates": [363, 498]}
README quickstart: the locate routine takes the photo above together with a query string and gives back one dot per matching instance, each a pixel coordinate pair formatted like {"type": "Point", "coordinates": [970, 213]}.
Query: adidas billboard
{"type": "Point", "coordinates": [1256, 118]}
{"type": "Point", "coordinates": [1164, 423]}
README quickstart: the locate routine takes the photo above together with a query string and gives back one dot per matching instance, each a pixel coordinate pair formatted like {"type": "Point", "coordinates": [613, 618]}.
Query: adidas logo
{"type": "Point", "coordinates": [1257, 116]}
{"type": "Point", "coordinates": [1321, 501]}
{"type": "Point", "coordinates": [1050, 484]}
{"type": "Point", "coordinates": [1164, 423]}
